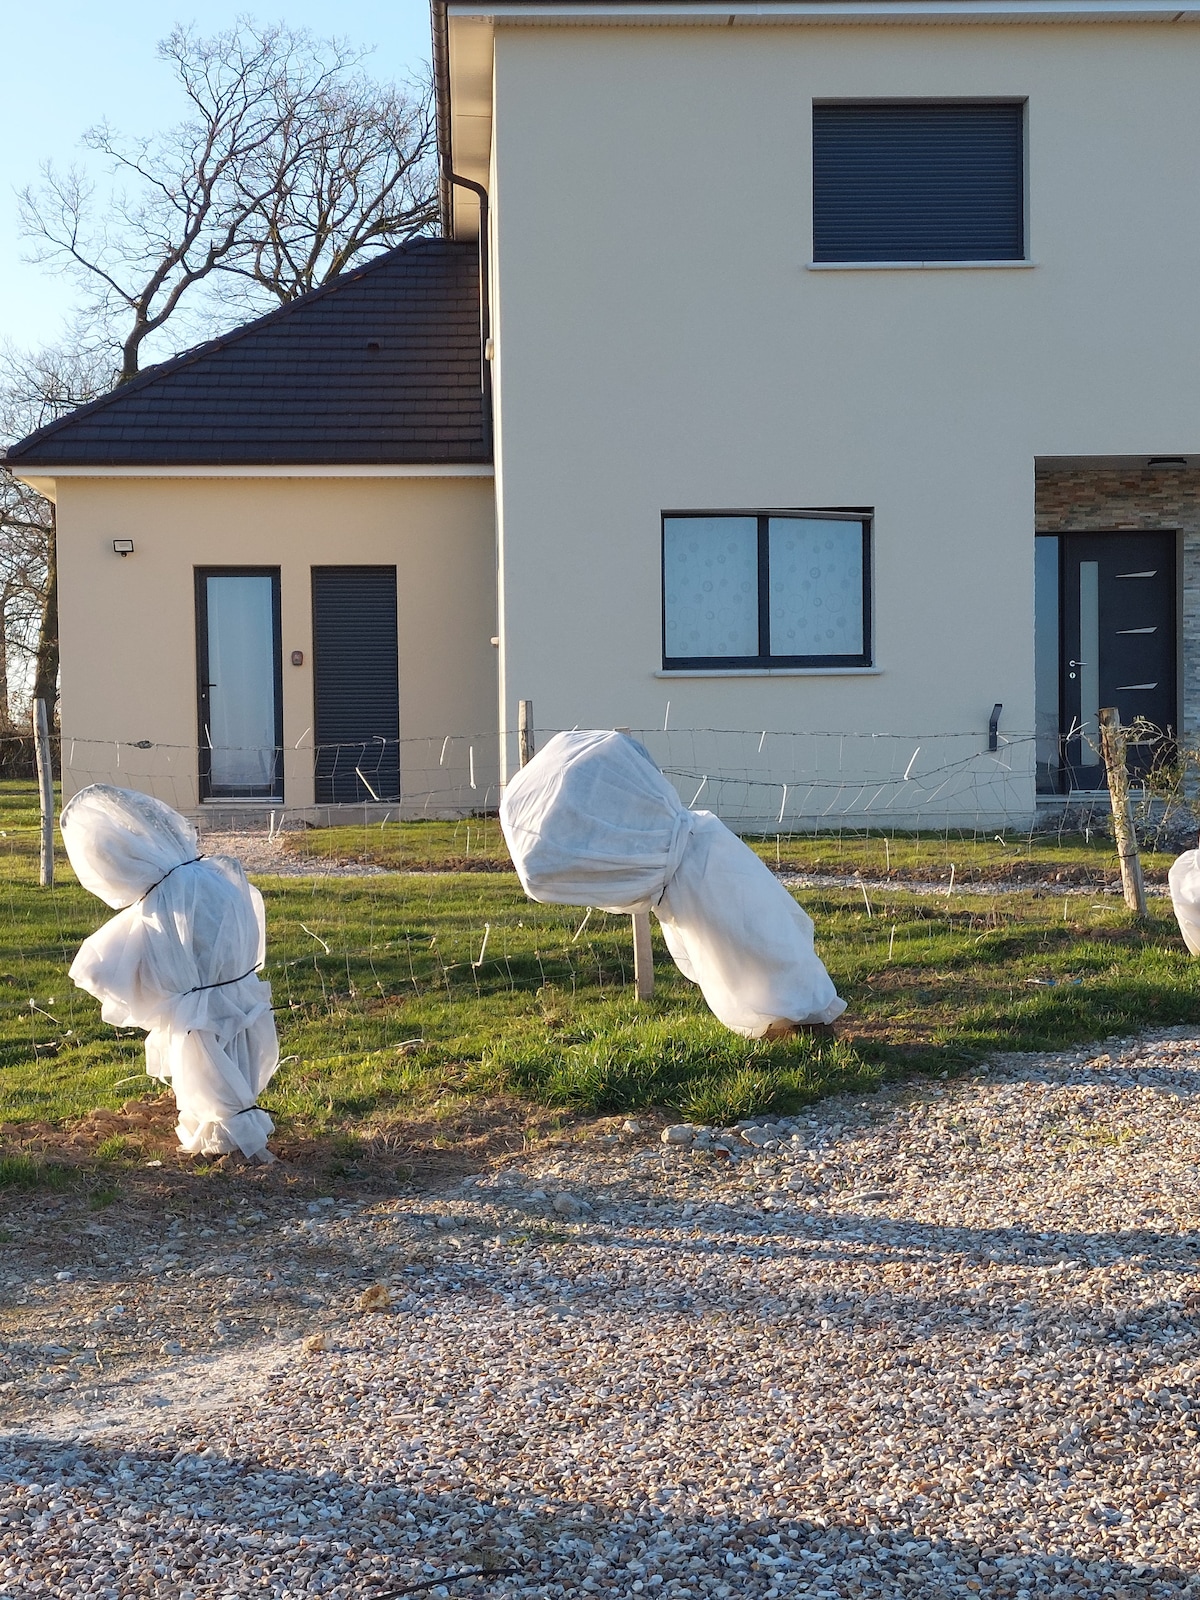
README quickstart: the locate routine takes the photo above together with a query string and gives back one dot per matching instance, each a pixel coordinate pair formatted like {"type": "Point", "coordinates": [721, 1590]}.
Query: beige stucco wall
{"type": "Point", "coordinates": [662, 345]}
{"type": "Point", "coordinates": [128, 625]}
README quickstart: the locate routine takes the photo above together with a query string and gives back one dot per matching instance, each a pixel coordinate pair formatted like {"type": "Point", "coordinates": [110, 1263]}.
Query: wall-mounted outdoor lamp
{"type": "Point", "coordinates": [994, 727]}
{"type": "Point", "coordinates": [123, 547]}
{"type": "Point", "coordinates": [297, 658]}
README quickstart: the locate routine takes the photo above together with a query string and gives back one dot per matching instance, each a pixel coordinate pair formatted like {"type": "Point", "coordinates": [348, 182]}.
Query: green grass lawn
{"type": "Point", "coordinates": [391, 1004]}
{"type": "Point", "coordinates": [477, 845]}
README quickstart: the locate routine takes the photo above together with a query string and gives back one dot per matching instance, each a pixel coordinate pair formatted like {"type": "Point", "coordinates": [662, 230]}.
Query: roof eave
{"type": "Point", "coordinates": [447, 466]}
{"type": "Point", "coordinates": [824, 12]}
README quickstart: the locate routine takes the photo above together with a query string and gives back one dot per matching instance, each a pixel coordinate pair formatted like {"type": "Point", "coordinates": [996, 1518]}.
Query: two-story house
{"type": "Point", "coordinates": [839, 385]}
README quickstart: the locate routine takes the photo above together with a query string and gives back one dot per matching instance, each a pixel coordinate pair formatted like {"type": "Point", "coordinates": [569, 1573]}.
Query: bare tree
{"type": "Point", "coordinates": [290, 165]}
{"type": "Point", "coordinates": [26, 540]}
{"type": "Point", "coordinates": [361, 177]}
{"type": "Point", "coordinates": [35, 388]}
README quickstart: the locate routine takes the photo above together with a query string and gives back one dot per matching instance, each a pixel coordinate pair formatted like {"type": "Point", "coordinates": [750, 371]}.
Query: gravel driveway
{"type": "Point", "coordinates": [941, 1341]}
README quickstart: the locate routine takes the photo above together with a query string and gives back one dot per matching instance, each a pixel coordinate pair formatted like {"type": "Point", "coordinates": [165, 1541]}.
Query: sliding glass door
{"type": "Point", "coordinates": [240, 692]}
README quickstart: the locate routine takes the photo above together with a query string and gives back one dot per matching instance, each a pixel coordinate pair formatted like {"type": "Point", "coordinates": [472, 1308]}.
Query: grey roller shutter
{"type": "Point", "coordinates": [356, 686]}
{"type": "Point", "coordinates": [913, 182]}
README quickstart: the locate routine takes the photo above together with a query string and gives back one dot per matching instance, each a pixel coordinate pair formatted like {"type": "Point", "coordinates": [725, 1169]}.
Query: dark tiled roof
{"type": "Point", "coordinates": [304, 385]}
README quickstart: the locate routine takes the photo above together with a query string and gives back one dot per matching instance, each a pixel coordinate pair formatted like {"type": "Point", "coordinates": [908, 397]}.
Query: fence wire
{"type": "Point", "coordinates": [368, 937]}
{"type": "Point", "coordinates": [760, 780]}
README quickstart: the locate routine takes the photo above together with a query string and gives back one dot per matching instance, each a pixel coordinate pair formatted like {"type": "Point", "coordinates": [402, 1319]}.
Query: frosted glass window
{"type": "Point", "coordinates": [710, 586]}
{"type": "Point", "coordinates": [1046, 654]}
{"type": "Point", "coordinates": [765, 590]}
{"type": "Point", "coordinates": [816, 587]}
{"type": "Point", "coordinates": [1089, 651]}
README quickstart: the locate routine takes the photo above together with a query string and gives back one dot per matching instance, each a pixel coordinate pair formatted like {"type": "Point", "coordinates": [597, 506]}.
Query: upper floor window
{"type": "Point", "coordinates": [919, 181]}
{"type": "Point", "coordinates": [768, 589]}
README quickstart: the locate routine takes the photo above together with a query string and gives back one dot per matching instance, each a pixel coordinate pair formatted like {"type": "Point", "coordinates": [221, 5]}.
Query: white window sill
{"type": "Point", "coordinates": [770, 672]}
{"type": "Point", "coordinates": [918, 266]}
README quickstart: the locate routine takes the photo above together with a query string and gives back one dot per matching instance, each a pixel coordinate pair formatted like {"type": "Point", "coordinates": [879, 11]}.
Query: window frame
{"type": "Point", "coordinates": [764, 661]}
{"type": "Point", "coordinates": [208, 791]}
{"type": "Point", "coordinates": [1017, 103]}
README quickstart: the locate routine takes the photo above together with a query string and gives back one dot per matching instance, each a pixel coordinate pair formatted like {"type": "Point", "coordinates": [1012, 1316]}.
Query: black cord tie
{"type": "Point", "coordinates": [164, 878]}
{"type": "Point", "coordinates": [224, 983]}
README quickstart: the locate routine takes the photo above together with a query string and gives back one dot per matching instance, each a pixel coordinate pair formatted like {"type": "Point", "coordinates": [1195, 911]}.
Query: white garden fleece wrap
{"type": "Point", "coordinates": [180, 959]}
{"type": "Point", "coordinates": [591, 821]}
{"type": "Point", "coordinates": [1184, 882]}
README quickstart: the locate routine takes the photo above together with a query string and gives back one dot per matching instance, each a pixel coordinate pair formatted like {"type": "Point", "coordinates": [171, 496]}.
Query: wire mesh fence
{"type": "Point", "coordinates": [400, 943]}
{"type": "Point", "coordinates": [754, 779]}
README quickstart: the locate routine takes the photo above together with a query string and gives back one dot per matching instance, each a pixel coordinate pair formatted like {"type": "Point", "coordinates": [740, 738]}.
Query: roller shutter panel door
{"type": "Point", "coordinates": [356, 685]}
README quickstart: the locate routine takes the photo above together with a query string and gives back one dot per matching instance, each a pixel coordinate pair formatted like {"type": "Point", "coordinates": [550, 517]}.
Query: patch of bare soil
{"type": "Point", "coordinates": [1029, 874]}
{"type": "Point", "coordinates": [136, 1149]}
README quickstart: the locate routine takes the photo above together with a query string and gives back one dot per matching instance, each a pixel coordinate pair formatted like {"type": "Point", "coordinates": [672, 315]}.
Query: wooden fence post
{"type": "Point", "coordinates": [1112, 742]}
{"type": "Point", "coordinates": [45, 772]}
{"type": "Point", "coordinates": [643, 955]}
{"type": "Point", "coordinates": [525, 731]}
{"type": "Point", "coordinates": [643, 950]}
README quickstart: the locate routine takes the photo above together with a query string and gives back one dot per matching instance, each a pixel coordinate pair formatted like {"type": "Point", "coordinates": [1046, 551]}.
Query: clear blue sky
{"type": "Point", "coordinates": [69, 65]}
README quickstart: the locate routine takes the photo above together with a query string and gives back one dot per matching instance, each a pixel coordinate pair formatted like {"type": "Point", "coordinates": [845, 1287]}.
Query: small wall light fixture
{"type": "Point", "coordinates": [297, 658]}
{"type": "Point", "coordinates": [123, 547]}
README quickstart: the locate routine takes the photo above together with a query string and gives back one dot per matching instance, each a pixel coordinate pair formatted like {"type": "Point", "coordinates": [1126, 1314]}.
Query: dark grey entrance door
{"type": "Point", "coordinates": [356, 684]}
{"type": "Point", "coordinates": [1118, 643]}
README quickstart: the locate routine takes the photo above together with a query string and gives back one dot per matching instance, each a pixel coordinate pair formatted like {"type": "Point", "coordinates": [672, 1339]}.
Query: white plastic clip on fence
{"type": "Point", "coordinates": [1184, 882]}
{"type": "Point", "coordinates": [180, 960]}
{"type": "Point", "coordinates": [591, 821]}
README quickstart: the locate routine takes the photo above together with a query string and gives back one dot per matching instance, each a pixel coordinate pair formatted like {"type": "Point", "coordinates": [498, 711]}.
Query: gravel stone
{"type": "Point", "coordinates": [941, 1341]}
{"type": "Point", "coordinates": [760, 1136]}
{"type": "Point", "coordinates": [260, 852]}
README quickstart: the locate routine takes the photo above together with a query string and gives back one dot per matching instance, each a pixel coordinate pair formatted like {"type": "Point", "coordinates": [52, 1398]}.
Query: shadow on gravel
{"type": "Point", "coordinates": [1171, 1063]}
{"type": "Point", "coordinates": [892, 1239]}
{"type": "Point", "coordinates": [724, 1229]}
{"type": "Point", "coordinates": [189, 1522]}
